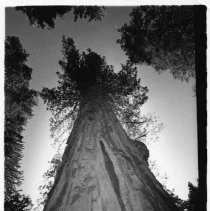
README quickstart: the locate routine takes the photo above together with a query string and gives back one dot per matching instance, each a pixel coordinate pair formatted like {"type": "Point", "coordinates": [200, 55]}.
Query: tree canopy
{"type": "Point", "coordinates": [19, 100]}
{"type": "Point", "coordinates": [18, 202]}
{"type": "Point", "coordinates": [43, 16]}
{"type": "Point", "coordinates": [193, 202]}
{"type": "Point", "coordinates": [83, 70]}
{"type": "Point", "coordinates": [161, 36]}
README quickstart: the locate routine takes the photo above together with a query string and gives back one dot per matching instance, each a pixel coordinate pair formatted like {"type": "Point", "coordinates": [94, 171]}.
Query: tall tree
{"type": "Point", "coordinates": [18, 202]}
{"type": "Point", "coordinates": [161, 36]}
{"type": "Point", "coordinates": [193, 203]}
{"type": "Point", "coordinates": [43, 16]}
{"type": "Point", "coordinates": [102, 168]}
{"type": "Point", "coordinates": [19, 100]}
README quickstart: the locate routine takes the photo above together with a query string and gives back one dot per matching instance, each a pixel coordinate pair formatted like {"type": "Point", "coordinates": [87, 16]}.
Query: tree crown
{"type": "Point", "coordinates": [162, 37]}
{"type": "Point", "coordinates": [43, 16]}
{"type": "Point", "coordinates": [83, 70]}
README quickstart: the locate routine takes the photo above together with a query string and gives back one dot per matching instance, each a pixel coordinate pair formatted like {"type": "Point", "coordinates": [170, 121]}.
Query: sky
{"type": "Point", "coordinates": [172, 101]}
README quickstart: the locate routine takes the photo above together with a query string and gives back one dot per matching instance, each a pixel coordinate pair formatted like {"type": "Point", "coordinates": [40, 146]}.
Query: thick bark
{"type": "Point", "coordinates": [102, 169]}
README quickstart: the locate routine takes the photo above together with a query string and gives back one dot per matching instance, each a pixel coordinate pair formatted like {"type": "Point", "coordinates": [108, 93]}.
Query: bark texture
{"type": "Point", "coordinates": [102, 169]}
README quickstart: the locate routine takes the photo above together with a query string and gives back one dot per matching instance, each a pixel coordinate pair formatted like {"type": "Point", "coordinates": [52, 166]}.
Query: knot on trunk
{"type": "Point", "coordinates": [142, 149]}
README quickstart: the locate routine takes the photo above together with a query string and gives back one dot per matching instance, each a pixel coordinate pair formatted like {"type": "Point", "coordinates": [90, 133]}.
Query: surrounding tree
{"type": "Point", "coordinates": [19, 100]}
{"type": "Point", "coordinates": [43, 16]}
{"type": "Point", "coordinates": [49, 177]}
{"type": "Point", "coordinates": [18, 203]}
{"type": "Point", "coordinates": [161, 36]}
{"type": "Point", "coordinates": [182, 204]}
{"type": "Point", "coordinates": [193, 201]}
{"type": "Point", "coordinates": [102, 168]}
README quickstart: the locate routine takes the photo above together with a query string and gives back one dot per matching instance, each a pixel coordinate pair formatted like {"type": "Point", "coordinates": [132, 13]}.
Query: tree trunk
{"type": "Point", "coordinates": [102, 169]}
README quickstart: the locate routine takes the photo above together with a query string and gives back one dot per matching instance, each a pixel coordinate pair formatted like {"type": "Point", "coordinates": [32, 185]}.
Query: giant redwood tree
{"type": "Point", "coordinates": [102, 168]}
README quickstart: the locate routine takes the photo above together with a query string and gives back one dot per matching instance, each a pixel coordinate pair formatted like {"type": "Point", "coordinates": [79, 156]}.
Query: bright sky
{"type": "Point", "coordinates": [171, 100]}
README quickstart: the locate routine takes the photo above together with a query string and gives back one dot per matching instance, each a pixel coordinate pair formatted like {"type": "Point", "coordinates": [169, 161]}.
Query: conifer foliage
{"type": "Point", "coordinates": [44, 16]}
{"type": "Point", "coordinates": [161, 36]}
{"type": "Point", "coordinates": [83, 70]}
{"type": "Point", "coordinates": [18, 202]}
{"type": "Point", "coordinates": [19, 100]}
{"type": "Point", "coordinates": [48, 177]}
